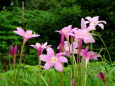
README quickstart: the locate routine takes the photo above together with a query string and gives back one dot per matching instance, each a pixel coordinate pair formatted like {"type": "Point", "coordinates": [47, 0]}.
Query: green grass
{"type": "Point", "coordinates": [29, 76]}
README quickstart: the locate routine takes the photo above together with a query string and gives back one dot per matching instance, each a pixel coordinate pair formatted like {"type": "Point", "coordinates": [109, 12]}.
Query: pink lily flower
{"type": "Point", "coordinates": [101, 76]}
{"type": "Point", "coordinates": [70, 48]}
{"type": "Point", "coordinates": [40, 47]}
{"type": "Point", "coordinates": [87, 55]}
{"type": "Point", "coordinates": [94, 22]}
{"type": "Point", "coordinates": [53, 59]}
{"type": "Point", "coordinates": [13, 50]}
{"type": "Point", "coordinates": [65, 31]}
{"type": "Point", "coordinates": [84, 35]}
{"type": "Point", "coordinates": [26, 35]}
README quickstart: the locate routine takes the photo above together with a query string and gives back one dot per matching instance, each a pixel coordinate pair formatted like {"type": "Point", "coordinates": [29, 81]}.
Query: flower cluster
{"type": "Point", "coordinates": [71, 43]}
{"type": "Point", "coordinates": [75, 36]}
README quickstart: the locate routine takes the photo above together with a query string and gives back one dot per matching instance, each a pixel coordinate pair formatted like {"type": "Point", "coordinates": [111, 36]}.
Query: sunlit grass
{"type": "Point", "coordinates": [29, 76]}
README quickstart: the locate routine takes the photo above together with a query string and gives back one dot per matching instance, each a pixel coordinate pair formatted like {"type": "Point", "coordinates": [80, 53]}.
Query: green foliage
{"type": "Point", "coordinates": [44, 23]}
{"type": "Point", "coordinates": [28, 76]}
{"type": "Point", "coordinates": [44, 17]}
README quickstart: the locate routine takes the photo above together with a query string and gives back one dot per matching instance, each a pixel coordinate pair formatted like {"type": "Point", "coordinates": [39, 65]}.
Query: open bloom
{"type": "Point", "coordinates": [40, 47]}
{"type": "Point", "coordinates": [65, 31]}
{"type": "Point", "coordinates": [87, 55]}
{"type": "Point", "coordinates": [53, 59]}
{"type": "Point", "coordinates": [101, 76]}
{"type": "Point", "coordinates": [94, 22]}
{"type": "Point", "coordinates": [13, 50]}
{"type": "Point", "coordinates": [84, 35]}
{"type": "Point", "coordinates": [25, 34]}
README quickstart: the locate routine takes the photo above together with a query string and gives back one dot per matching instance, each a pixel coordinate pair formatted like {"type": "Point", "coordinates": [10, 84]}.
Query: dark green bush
{"type": "Point", "coordinates": [44, 23]}
{"type": "Point", "coordinates": [46, 16]}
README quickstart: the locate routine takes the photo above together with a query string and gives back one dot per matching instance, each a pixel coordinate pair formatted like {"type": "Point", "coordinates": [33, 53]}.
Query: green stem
{"type": "Point", "coordinates": [9, 60]}
{"type": "Point", "coordinates": [85, 74]}
{"type": "Point", "coordinates": [99, 54]}
{"type": "Point", "coordinates": [105, 83]}
{"type": "Point", "coordinates": [72, 62]}
{"type": "Point", "coordinates": [105, 48]}
{"type": "Point", "coordinates": [39, 64]}
{"type": "Point", "coordinates": [44, 81]}
{"type": "Point", "coordinates": [23, 15]}
{"type": "Point", "coordinates": [61, 78]}
{"type": "Point", "coordinates": [21, 52]}
{"type": "Point", "coordinates": [79, 50]}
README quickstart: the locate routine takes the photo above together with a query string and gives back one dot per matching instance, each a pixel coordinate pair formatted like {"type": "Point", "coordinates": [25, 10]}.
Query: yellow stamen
{"type": "Point", "coordinates": [28, 34]}
{"type": "Point", "coordinates": [53, 60]}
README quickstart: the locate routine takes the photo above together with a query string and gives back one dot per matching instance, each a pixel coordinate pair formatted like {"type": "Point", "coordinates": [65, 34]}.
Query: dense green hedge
{"type": "Point", "coordinates": [47, 20]}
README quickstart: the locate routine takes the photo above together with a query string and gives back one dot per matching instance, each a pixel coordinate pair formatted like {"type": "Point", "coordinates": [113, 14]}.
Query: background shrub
{"type": "Point", "coordinates": [46, 16]}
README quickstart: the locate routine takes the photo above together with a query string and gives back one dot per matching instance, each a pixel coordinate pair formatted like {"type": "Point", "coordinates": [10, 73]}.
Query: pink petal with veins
{"type": "Point", "coordinates": [58, 66]}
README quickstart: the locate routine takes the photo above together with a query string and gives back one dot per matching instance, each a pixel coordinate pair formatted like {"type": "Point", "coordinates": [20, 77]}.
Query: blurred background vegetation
{"type": "Point", "coordinates": [45, 17]}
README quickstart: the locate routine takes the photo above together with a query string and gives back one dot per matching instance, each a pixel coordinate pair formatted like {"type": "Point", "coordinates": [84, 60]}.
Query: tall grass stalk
{"type": "Point", "coordinates": [105, 47]}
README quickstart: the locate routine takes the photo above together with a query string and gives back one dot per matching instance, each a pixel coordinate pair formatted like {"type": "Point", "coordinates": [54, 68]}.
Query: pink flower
{"type": "Point", "coordinates": [88, 55]}
{"type": "Point", "coordinates": [13, 50]}
{"type": "Point", "coordinates": [53, 59]}
{"type": "Point", "coordinates": [101, 76]}
{"type": "Point", "coordinates": [65, 31]}
{"type": "Point", "coordinates": [94, 22]}
{"type": "Point", "coordinates": [26, 35]}
{"type": "Point", "coordinates": [84, 35]}
{"type": "Point", "coordinates": [70, 48]}
{"type": "Point", "coordinates": [40, 47]}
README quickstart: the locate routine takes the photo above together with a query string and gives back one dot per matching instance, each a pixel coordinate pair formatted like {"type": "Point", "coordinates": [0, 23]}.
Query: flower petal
{"type": "Point", "coordinates": [91, 27]}
{"type": "Point", "coordinates": [101, 25]}
{"type": "Point", "coordinates": [60, 54]}
{"type": "Point", "coordinates": [62, 59]}
{"type": "Point", "coordinates": [58, 66]}
{"type": "Point", "coordinates": [83, 24]}
{"type": "Point", "coordinates": [38, 45]}
{"type": "Point", "coordinates": [89, 39]}
{"type": "Point", "coordinates": [34, 46]}
{"type": "Point", "coordinates": [29, 32]}
{"type": "Point", "coordinates": [95, 56]}
{"type": "Point", "coordinates": [47, 66]}
{"type": "Point", "coordinates": [103, 22]}
{"type": "Point", "coordinates": [20, 31]}
{"type": "Point", "coordinates": [84, 51]}
{"type": "Point", "coordinates": [96, 18]}
{"type": "Point", "coordinates": [35, 35]}
{"type": "Point", "coordinates": [50, 51]}
{"type": "Point", "coordinates": [102, 75]}
{"type": "Point", "coordinates": [44, 58]}
{"type": "Point", "coordinates": [89, 18]}
{"type": "Point", "coordinates": [99, 76]}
